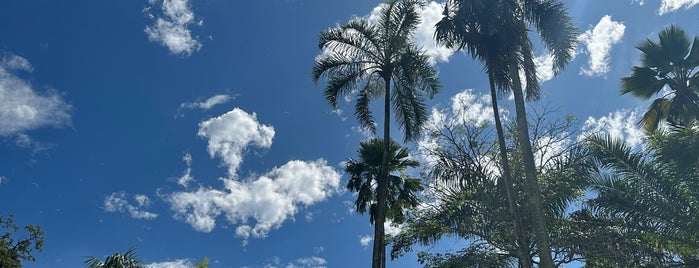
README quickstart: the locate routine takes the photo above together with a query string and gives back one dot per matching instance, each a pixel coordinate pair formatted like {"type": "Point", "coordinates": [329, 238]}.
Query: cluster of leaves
{"type": "Point", "coordinates": [13, 250]}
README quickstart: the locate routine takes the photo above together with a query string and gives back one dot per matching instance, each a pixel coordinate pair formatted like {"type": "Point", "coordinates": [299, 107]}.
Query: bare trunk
{"type": "Point", "coordinates": [532, 185]}
{"type": "Point", "coordinates": [523, 244]}
{"type": "Point", "coordinates": [379, 255]}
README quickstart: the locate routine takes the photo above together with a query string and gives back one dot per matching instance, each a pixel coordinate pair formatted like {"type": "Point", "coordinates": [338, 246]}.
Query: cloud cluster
{"type": "Point", "coordinates": [232, 132]}
{"type": "Point", "coordinates": [308, 262]}
{"type": "Point", "coordinates": [118, 202]}
{"type": "Point", "coordinates": [21, 107]}
{"type": "Point", "coordinates": [171, 26]}
{"type": "Point", "coordinates": [672, 5]}
{"type": "Point", "coordinates": [598, 43]}
{"type": "Point", "coordinates": [621, 124]}
{"type": "Point", "coordinates": [171, 264]}
{"type": "Point", "coordinates": [258, 204]}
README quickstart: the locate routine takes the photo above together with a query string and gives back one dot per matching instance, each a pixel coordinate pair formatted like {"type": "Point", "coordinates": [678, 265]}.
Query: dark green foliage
{"type": "Point", "coordinates": [468, 200]}
{"type": "Point", "coordinates": [14, 250]}
{"type": "Point", "coordinates": [671, 61]}
{"type": "Point", "coordinates": [364, 173]}
{"type": "Point", "coordinates": [366, 59]}
{"type": "Point", "coordinates": [497, 33]}
{"type": "Point", "coordinates": [650, 195]}
{"type": "Point", "coordinates": [127, 259]}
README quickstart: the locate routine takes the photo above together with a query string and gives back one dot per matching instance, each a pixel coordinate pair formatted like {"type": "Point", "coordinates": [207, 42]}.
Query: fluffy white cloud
{"type": "Point", "coordinates": [208, 103]}
{"type": "Point", "coordinates": [365, 240]}
{"type": "Point", "coordinates": [258, 204]}
{"type": "Point", "coordinates": [673, 5]}
{"type": "Point", "coordinates": [3, 180]}
{"type": "Point", "coordinates": [231, 132]}
{"type": "Point", "coordinates": [118, 202]}
{"type": "Point", "coordinates": [269, 199]}
{"type": "Point", "coordinates": [171, 264]}
{"type": "Point", "coordinates": [598, 43]}
{"type": "Point", "coordinates": [171, 28]}
{"type": "Point", "coordinates": [423, 37]}
{"type": "Point", "coordinates": [544, 68]}
{"type": "Point", "coordinates": [21, 107]}
{"type": "Point", "coordinates": [621, 124]}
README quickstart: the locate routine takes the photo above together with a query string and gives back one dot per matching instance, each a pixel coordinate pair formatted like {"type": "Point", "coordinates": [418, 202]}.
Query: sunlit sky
{"type": "Point", "coordinates": [191, 128]}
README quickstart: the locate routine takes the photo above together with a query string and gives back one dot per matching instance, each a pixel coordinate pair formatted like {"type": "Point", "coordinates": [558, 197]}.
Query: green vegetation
{"type": "Point", "coordinates": [14, 250]}
{"type": "Point", "coordinates": [375, 60]}
{"type": "Point", "coordinates": [127, 259]}
{"type": "Point", "coordinates": [671, 62]}
{"type": "Point", "coordinates": [365, 172]}
{"type": "Point", "coordinates": [497, 33]}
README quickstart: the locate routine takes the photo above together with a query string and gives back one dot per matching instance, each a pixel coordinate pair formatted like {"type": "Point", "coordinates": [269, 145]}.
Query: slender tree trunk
{"type": "Point", "coordinates": [379, 254]}
{"type": "Point", "coordinates": [523, 245]}
{"type": "Point", "coordinates": [532, 185]}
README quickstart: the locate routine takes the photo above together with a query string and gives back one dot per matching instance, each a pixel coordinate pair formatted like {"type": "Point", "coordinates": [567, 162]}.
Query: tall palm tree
{"type": "Point", "coordinates": [476, 25]}
{"type": "Point", "coordinates": [671, 62]}
{"type": "Point", "coordinates": [470, 26]}
{"type": "Point", "coordinates": [374, 60]}
{"type": "Point", "coordinates": [364, 173]}
{"type": "Point", "coordinates": [127, 259]}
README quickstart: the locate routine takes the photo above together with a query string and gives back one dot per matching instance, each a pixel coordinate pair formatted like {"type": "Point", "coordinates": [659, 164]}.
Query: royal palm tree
{"type": "Point", "coordinates": [671, 62]}
{"type": "Point", "coordinates": [496, 32]}
{"type": "Point", "coordinates": [374, 60]}
{"type": "Point", "coordinates": [127, 259]}
{"type": "Point", "coordinates": [364, 173]}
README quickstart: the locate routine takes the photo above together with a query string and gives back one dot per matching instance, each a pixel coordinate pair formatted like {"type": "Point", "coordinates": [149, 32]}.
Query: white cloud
{"type": "Point", "coordinates": [3, 180]}
{"type": "Point", "coordinates": [171, 264]}
{"type": "Point", "coordinates": [21, 107]}
{"type": "Point", "coordinates": [673, 5]}
{"type": "Point", "coordinates": [117, 202]}
{"type": "Point", "coordinates": [365, 240]}
{"type": "Point", "coordinates": [208, 103]}
{"type": "Point", "coordinates": [598, 42]}
{"type": "Point", "coordinates": [544, 68]}
{"type": "Point", "coordinates": [187, 176]}
{"type": "Point", "coordinates": [621, 124]}
{"type": "Point", "coordinates": [310, 262]}
{"type": "Point", "coordinates": [423, 37]}
{"type": "Point", "coordinates": [269, 199]}
{"type": "Point", "coordinates": [640, 2]}
{"type": "Point", "coordinates": [231, 132]}
{"type": "Point", "coordinates": [468, 107]}
{"type": "Point", "coordinates": [258, 204]}
{"type": "Point", "coordinates": [172, 28]}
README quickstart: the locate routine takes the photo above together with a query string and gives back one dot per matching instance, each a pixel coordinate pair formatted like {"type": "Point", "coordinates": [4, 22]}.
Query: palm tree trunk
{"type": "Point", "coordinates": [379, 254]}
{"type": "Point", "coordinates": [523, 246]}
{"type": "Point", "coordinates": [532, 185]}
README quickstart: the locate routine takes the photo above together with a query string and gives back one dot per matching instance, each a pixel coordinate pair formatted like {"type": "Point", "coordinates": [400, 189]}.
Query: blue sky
{"type": "Point", "coordinates": [191, 128]}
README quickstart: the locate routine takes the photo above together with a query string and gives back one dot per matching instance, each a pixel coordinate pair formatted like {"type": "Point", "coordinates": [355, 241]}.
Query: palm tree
{"type": "Point", "coordinates": [653, 193]}
{"type": "Point", "coordinates": [374, 60]}
{"type": "Point", "coordinates": [365, 172]}
{"type": "Point", "coordinates": [671, 62]}
{"type": "Point", "coordinates": [127, 259]}
{"type": "Point", "coordinates": [496, 32]}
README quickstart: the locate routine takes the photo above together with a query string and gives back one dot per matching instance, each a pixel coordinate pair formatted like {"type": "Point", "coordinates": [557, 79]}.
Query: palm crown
{"type": "Point", "coordinates": [670, 62]}
{"type": "Point", "coordinates": [364, 58]}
